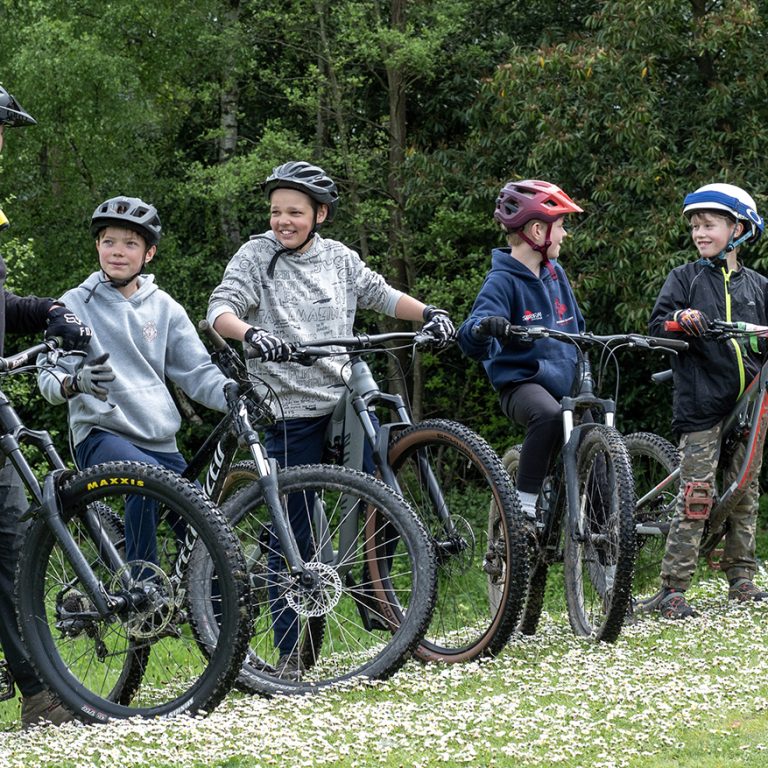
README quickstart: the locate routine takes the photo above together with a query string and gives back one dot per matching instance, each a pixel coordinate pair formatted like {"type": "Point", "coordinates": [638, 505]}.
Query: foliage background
{"type": "Point", "coordinates": [420, 109]}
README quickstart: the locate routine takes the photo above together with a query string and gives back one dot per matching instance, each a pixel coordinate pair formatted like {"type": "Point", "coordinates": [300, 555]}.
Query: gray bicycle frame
{"type": "Point", "coordinates": [351, 428]}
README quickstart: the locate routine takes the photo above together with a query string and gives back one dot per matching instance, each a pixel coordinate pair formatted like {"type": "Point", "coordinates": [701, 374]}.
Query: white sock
{"type": "Point", "coordinates": [528, 502]}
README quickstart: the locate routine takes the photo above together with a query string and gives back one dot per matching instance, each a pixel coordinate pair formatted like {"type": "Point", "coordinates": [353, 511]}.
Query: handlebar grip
{"type": "Point", "coordinates": [216, 339]}
{"type": "Point", "coordinates": [673, 326]}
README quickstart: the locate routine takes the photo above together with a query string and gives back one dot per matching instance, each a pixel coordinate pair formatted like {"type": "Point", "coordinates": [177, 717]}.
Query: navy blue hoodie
{"type": "Point", "coordinates": [512, 291]}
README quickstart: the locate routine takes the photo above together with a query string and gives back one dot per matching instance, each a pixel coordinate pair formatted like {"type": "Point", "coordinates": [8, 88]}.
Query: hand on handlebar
{"type": "Point", "coordinates": [269, 348]}
{"type": "Point", "coordinates": [438, 324]}
{"type": "Point", "coordinates": [693, 322]}
{"type": "Point", "coordinates": [65, 325]}
{"type": "Point", "coordinates": [498, 327]}
{"type": "Point", "coordinates": [91, 379]}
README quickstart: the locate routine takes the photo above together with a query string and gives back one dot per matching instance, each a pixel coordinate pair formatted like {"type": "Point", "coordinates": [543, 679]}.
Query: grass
{"type": "Point", "coordinates": [691, 694]}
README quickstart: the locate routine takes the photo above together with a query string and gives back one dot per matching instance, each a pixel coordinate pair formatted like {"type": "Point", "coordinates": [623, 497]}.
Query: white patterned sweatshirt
{"type": "Point", "coordinates": [311, 295]}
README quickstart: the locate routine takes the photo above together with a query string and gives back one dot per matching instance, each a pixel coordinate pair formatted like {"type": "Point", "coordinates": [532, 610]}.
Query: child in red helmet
{"type": "Point", "coordinates": [527, 286]}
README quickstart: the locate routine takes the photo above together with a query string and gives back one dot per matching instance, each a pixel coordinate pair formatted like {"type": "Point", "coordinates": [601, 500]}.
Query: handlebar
{"type": "Point", "coordinates": [720, 329]}
{"type": "Point", "coordinates": [606, 341]}
{"type": "Point", "coordinates": [307, 353]}
{"type": "Point", "coordinates": [27, 357]}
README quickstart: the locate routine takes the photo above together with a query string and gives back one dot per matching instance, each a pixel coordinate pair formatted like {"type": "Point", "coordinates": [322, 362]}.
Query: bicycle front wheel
{"type": "Point", "coordinates": [366, 591]}
{"type": "Point", "coordinates": [600, 544]}
{"type": "Point", "coordinates": [452, 477]}
{"type": "Point", "coordinates": [653, 459]}
{"type": "Point", "coordinates": [143, 658]}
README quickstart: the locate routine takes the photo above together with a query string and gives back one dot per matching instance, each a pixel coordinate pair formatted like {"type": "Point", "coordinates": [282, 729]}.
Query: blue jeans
{"type": "Point", "coordinates": [140, 513]}
{"type": "Point", "coordinates": [305, 442]}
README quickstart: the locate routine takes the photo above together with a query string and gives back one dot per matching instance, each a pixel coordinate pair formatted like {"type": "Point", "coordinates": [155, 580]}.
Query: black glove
{"type": "Point", "coordinates": [438, 325]}
{"type": "Point", "coordinates": [269, 347]}
{"type": "Point", "coordinates": [91, 378]}
{"type": "Point", "coordinates": [498, 327]}
{"type": "Point", "coordinates": [65, 325]}
{"type": "Point", "coordinates": [693, 321]}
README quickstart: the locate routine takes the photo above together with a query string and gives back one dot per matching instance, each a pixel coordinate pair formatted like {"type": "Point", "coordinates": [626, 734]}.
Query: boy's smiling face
{"type": "Point", "coordinates": [292, 217]}
{"type": "Point", "coordinates": [711, 233]}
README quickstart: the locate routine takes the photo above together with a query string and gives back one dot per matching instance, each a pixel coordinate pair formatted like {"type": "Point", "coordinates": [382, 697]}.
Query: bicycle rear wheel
{"type": "Point", "coordinates": [368, 588]}
{"type": "Point", "coordinates": [653, 460]}
{"type": "Point", "coordinates": [538, 567]}
{"type": "Point", "coordinates": [600, 549]}
{"type": "Point", "coordinates": [144, 659]}
{"type": "Point", "coordinates": [452, 477]}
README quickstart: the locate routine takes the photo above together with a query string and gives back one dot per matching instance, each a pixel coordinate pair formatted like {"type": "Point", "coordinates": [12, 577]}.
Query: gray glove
{"type": "Point", "coordinates": [498, 327]}
{"type": "Point", "coordinates": [438, 325]}
{"type": "Point", "coordinates": [270, 348]}
{"type": "Point", "coordinates": [91, 379]}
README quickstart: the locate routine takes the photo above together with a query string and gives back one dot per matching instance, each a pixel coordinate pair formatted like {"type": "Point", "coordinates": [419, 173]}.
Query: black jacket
{"type": "Point", "coordinates": [20, 314]}
{"type": "Point", "coordinates": [711, 375]}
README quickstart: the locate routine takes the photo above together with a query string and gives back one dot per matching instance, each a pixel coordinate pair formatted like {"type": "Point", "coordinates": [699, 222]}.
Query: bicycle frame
{"type": "Point", "coordinates": [351, 426]}
{"type": "Point", "coordinates": [235, 431]}
{"type": "Point", "coordinates": [44, 499]}
{"type": "Point", "coordinates": [750, 412]}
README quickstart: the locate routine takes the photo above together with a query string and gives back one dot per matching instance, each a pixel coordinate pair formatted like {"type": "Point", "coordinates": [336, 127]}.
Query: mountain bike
{"type": "Point", "coordinates": [449, 475]}
{"type": "Point", "coordinates": [111, 638]}
{"type": "Point", "coordinates": [657, 474]}
{"type": "Point", "coordinates": [585, 511]}
{"type": "Point", "coordinates": [358, 598]}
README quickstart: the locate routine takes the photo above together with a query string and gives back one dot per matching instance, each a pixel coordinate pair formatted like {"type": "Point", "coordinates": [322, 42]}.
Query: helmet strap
{"type": "Point", "coordinates": [542, 248]}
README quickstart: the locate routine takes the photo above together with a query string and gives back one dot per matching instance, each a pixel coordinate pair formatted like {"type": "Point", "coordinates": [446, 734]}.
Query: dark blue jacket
{"type": "Point", "coordinates": [20, 314]}
{"type": "Point", "coordinates": [512, 291]}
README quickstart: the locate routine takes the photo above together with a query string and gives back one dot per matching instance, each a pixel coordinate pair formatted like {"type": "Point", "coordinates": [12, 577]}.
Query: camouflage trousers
{"type": "Point", "coordinates": [700, 454]}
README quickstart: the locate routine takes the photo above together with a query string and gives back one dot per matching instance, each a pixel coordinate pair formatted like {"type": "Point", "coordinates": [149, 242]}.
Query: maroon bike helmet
{"type": "Point", "coordinates": [521, 201]}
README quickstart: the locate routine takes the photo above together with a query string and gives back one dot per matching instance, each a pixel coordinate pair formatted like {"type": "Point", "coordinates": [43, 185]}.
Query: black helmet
{"type": "Point", "coordinates": [12, 113]}
{"type": "Point", "coordinates": [128, 212]}
{"type": "Point", "coordinates": [306, 178]}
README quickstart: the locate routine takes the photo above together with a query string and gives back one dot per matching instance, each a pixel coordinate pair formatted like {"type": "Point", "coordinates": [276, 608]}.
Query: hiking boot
{"type": "Point", "coordinates": [670, 603]}
{"type": "Point", "coordinates": [289, 666]}
{"type": "Point", "coordinates": [673, 605]}
{"type": "Point", "coordinates": [43, 709]}
{"type": "Point", "coordinates": [745, 591]}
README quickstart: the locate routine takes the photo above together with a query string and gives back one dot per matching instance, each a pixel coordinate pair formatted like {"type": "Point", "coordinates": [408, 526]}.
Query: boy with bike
{"type": "Point", "coordinates": [527, 286]}
{"type": "Point", "coordinates": [708, 379]}
{"type": "Point", "coordinates": [292, 285]}
{"type": "Point", "coordinates": [25, 314]}
{"type": "Point", "coordinates": [122, 410]}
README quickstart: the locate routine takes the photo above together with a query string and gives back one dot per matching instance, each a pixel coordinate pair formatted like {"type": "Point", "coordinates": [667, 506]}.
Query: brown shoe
{"type": "Point", "coordinates": [745, 591]}
{"type": "Point", "coordinates": [43, 709]}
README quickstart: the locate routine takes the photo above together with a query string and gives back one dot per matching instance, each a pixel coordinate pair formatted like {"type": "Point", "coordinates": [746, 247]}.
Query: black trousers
{"type": "Point", "coordinates": [13, 503]}
{"type": "Point", "coordinates": [531, 406]}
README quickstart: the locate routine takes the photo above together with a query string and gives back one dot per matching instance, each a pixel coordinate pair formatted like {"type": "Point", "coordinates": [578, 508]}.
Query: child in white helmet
{"type": "Point", "coordinates": [708, 379]}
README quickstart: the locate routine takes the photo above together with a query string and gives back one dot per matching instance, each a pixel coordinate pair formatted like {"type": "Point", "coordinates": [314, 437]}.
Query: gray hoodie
{"type": "Point", "coordinates": [149, 338]}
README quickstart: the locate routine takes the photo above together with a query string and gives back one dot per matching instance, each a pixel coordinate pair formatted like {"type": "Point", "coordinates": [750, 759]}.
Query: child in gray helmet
{"type": "Point", "coordinates": [120, 407]}
{"type": "Point", "coordinates": [292, 285]}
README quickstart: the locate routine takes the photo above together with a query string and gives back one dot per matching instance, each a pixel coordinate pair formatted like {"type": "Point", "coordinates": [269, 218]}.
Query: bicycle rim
{"type": "Point", "coordinates": [599, 553]}
{"type": "Point", "coordinates": [653, 459]}
{"type": "Point", "coordinates": [372, 589]}
{"type": "Point", "coordinates": [145, 660]}
{"type": "Point", "coordinates": [452, 478]}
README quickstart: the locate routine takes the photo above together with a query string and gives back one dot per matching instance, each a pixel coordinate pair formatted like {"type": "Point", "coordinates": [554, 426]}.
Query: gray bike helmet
{"type": "Point", "coordinates": [12, 113]}
{"type": "Point", "coordinates": [128, 212]}
{"type": "Point", "coordinates": [307, 178]}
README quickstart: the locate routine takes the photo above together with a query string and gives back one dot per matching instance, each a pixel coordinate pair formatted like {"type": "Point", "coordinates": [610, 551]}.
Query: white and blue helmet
{"type": "Point", "coordinates": [729, 199]}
